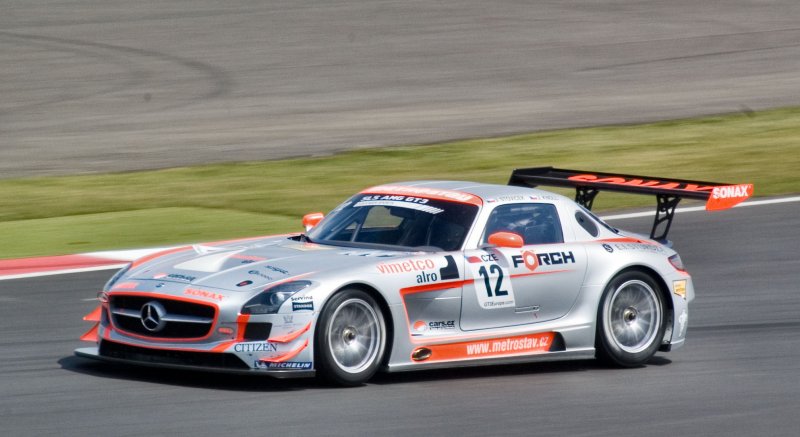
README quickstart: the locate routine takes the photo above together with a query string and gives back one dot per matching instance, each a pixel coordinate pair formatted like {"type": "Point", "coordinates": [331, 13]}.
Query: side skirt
{"type": "Point", "coordinates": [575, 354]}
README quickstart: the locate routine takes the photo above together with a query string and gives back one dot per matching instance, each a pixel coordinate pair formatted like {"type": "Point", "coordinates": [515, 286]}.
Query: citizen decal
{"type": "Point", "coordinates": [255, 347]}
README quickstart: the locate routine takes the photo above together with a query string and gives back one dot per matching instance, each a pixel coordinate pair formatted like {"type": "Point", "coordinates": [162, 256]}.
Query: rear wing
{"type": "Point", "coordinates": [668, 192]}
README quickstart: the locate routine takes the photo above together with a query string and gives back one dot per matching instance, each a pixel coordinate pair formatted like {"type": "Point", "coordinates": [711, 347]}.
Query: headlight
{"type": "Point", "coordinates": [272, 298]}
{"type": "Point", "coordinates": [116, 277]}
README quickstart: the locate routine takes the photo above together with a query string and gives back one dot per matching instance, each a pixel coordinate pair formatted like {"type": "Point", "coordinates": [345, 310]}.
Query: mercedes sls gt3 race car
{"type": "Point", "coordinates": [416, 275]}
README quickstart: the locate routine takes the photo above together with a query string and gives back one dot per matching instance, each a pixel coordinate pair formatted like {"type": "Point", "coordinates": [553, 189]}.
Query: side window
{"type": "Point", "coordinates": [536, 223]}
{"type": "Point", "coordinates": [586, 223]}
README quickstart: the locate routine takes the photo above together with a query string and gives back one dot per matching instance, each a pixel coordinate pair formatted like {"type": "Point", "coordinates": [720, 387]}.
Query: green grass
{"type": "Point", "coordinates": [137, 209]}
{"type": "Point", "coordinates": [131, 229]}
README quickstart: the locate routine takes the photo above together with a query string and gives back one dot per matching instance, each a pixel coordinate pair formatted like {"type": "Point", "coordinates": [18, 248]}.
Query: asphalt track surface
{"type": "Point", "coordinates": [99, 85]}
{"type": "Point", "coordinates": [737, 376]}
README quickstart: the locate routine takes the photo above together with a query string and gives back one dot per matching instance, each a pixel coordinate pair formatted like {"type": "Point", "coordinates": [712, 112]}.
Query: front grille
{"type": "Point", "coordinates": [182, 320]}
{"type": "Point", "coordinates": [157, 356]}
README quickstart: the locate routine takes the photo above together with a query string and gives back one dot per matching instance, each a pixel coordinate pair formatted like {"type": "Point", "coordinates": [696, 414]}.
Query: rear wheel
{"type": "Point", "coordinates": [630, 320]}
{"type": "Point", "coordinates": [350, 338]}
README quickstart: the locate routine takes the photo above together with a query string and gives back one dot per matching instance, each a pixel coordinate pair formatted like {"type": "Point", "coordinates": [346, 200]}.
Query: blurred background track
{"type": "Point", "coordinates": [93, 86]}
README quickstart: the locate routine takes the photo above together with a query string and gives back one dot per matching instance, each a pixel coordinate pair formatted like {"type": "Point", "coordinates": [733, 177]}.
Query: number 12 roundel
{"type": "Point", "coordinates": [493, 286]}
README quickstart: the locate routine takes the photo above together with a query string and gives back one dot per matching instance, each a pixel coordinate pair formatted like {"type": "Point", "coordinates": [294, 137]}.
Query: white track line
{"type": "Point", "coordinates": [703, 208]}
{"type": "Point", "coordinates": [127, 255]}
{"type": "Point", "coordinates": [63, 272]}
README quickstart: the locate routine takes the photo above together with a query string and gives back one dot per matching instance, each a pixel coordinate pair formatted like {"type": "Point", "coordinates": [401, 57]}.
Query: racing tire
{"type": "Point", "coordinates": [350, 339]}
{"type": "Point", "coordinates": [630, 320]}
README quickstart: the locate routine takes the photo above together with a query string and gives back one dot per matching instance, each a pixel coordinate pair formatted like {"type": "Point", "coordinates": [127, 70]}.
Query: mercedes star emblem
{"type": "Point", "coordinates": [153, 316]}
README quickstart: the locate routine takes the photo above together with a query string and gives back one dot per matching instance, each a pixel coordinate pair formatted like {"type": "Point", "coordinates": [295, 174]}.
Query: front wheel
{"type": "Point", "coordinates": [350, 338]}
{"type": "Point", "coordinates": [630, 320]}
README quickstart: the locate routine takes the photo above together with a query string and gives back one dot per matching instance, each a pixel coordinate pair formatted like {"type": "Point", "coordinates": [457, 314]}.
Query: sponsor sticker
{"type": "Point", "coordinates": [684, 322]}
{"type": "Point", "coordinates": [309, 247]}
{"type": "Point", "coordinates": [262, 275]}
{"type": "Point", "coordinates": [727, 196]}
{"type": "Point", "coordinates": [297, 365]}
{"type": "Point", "coordinates": [532, 260]}
{"type": "Point", "coordinates": [641, 247]}
{"type": "Point", "coordinates": [433, 193]}
{"type": "Point", "coordinates": [422, 326]}
{"type": "Point", "coordinates": [492, 283]}
{"type": "Point", "coordinates": [517, 345]}
{"type": "Point", "coordinates": [412, 265]}
{"type": "Point", "coordinates": [302, 305]}
{"type": "Point", "coordinates": [203, 293]}
{"type": "Point", "coordinates": [409, 202]}
{"type": "Point", "coordinates": [425, 270]}
{"type": "Point", "coordinates": [514, 198]}
{"type": "Point", "coordinates": [180, 277]}
{"type": "Point", "coordinates": [246, 259]}
{"type": "Point", "coordinates": [263, 346]}
{"type": "Point", "coordinates": [277, 270]}
{"type": "Point", "coordinates": [679, 288]}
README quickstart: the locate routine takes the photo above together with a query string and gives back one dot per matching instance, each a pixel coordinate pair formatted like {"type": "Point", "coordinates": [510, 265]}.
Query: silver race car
{"type": "Point", "coordinates": [416, 275]}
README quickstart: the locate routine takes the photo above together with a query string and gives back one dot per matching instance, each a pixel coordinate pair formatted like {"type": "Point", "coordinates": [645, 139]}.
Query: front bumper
{"type": "Point", "coordinates": [274, 344]}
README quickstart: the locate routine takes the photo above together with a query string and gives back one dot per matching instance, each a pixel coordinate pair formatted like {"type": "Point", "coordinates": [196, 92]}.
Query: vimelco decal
{"type": "Point", "coordinates": [447, 271]}
{"type": "Point", "coordinates": [418, 265]}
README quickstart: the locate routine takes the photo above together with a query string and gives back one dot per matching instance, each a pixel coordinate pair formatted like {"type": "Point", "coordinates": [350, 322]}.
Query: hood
{"type": "Point", "coordinates": [250, 265]}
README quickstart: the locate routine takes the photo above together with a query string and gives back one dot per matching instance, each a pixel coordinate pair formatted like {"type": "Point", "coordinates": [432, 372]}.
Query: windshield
{"type": "Point", "coordinates": [397, 220]}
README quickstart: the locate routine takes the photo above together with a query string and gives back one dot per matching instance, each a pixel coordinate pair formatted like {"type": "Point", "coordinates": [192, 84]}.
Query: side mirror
{"type": "Point", "coordinates": [506, 239]}
{"type": "Point", "coordinates": [311, 219]}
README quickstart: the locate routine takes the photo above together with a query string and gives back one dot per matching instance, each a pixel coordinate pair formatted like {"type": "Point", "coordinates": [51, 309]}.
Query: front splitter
{"type": "Point", "coordinates": [93, 353]}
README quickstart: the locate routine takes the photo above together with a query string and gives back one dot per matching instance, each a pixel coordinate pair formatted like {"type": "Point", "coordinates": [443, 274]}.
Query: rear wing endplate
{"type": "Point", "coordinates": [668, 192]}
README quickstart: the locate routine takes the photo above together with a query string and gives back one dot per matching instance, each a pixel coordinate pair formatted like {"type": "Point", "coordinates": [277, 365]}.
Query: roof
{"type": "Point", "coordinates": [481, 190]}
